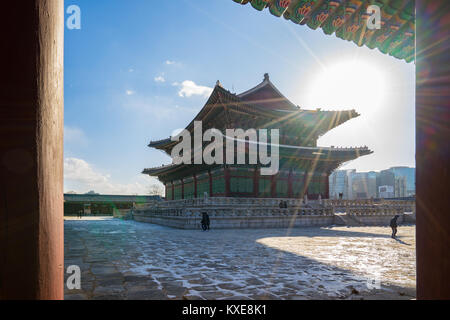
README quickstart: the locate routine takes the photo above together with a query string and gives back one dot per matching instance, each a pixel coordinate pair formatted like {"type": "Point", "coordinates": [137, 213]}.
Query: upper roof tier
{"type": "Point", "coordinates": [266, 95]}
{"type": "Point", "coordinates": [263, 106]}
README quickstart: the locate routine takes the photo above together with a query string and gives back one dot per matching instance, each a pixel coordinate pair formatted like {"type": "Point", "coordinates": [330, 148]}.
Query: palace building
{"type": "Point", "coordinates": [304, 167]}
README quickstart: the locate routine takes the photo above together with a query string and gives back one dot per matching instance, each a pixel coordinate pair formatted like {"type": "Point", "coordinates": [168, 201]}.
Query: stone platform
{"type": "Point", "coordinates": [232, 213]}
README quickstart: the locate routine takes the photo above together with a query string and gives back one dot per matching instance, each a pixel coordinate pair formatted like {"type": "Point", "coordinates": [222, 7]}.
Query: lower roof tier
{"type": "Point", "coordinates": [304, 158]}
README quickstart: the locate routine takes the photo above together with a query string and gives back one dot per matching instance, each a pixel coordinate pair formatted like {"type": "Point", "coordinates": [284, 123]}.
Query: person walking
{"type": "Point", "coordinates": [394, 225]}
{"type": "Point", "coordinates": [205, 221]}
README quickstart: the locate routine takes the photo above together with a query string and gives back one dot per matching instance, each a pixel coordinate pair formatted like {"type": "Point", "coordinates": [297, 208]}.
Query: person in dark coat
{"type": "Point", "coordinates": [205, 221]}
{"type": "Point", "coordinates": [393, 225]}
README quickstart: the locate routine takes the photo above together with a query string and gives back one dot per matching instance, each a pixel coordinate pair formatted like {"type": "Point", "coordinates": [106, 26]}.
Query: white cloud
{"type": "Point", "coordinates": [190, 88]}
{"type": "Point", "coordinates": [160, 79]}
{"type": "Point", "coordinates": [168, 62]}
{"type": "Point", "coordinates": [129, 92]}
{"type": "Point", "coordinates": [81, 177]}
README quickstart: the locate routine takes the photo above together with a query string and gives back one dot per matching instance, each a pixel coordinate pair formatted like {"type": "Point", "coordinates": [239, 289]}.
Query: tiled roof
{"type": "Point", "coordinates": [348, 20]}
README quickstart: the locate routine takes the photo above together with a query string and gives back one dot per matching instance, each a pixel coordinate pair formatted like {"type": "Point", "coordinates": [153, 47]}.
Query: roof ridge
{"type": "Point", "coordinates": [264, 83]}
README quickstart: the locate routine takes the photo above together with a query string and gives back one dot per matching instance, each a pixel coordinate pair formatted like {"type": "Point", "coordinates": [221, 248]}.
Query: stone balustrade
{"type": "Point", "coordinates": [348, 203]}
{"type": "Point", "coordinates": [229, 201]}
{"type": "Point", "coordinates": [265, 212]}
{"type": "Point", "coordinates": [229, 212]}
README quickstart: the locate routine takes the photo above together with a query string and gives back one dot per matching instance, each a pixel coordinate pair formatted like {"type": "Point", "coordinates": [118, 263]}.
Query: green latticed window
{"type": "Point", "coordinates": [218, 185]}
{"type": "Point", "coordinates": [202, 187]}
{"type": "Point", "coordinates": [241, 184]}
{"type": "Point", "coordinates": [297, 187]}
{"type": "Point", "coordinates": [177, 194]}
{"type": "Point", "coordinates": [189, 190]}
{"type": "Point", "coordinates": [282, 188]}
{"type": "Point", "coordinates": [264, 187]}
{"type": "Point", "coordinates": [314, 186]}
{"type": "Point", "coordinates": [168, 191]}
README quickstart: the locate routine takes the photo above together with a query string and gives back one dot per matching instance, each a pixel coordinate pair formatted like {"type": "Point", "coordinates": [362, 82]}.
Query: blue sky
{"type": "Point", "coordinates": [138, 69]}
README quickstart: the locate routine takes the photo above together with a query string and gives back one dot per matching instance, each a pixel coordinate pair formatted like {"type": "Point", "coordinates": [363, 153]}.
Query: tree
{"type": "Point", "coordinates": [156, 190]}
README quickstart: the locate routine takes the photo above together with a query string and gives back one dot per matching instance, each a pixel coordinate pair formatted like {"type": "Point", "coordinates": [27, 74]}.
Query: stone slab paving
{"type": "Point", "coordinates": [131, 260]}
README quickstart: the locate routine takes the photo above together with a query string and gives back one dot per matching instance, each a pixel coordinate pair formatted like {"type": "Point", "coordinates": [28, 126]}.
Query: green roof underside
{"type": "Point", "coordinates": [347, 19]}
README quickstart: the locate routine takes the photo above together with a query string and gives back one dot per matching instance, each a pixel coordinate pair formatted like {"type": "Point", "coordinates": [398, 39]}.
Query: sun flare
{"type": "Point", "coordinates": [348, 84]}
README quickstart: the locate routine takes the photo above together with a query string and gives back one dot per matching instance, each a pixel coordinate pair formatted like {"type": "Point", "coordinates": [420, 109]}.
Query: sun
{"type": "Point", "coordinates": [350, 84]}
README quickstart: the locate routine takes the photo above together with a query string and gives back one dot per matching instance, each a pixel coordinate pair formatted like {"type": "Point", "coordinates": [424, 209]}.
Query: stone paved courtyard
{"type": "Point", "coordinates": [132, 260]}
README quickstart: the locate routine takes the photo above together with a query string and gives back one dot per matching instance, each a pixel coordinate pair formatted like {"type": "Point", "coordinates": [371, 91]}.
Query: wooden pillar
{"type": "Point", "coordinates": [432, 149]}
{"type": "Point", "coordinates": [306, 181]}
{"type": "Point", "coordinates": [182, 188]}
{"type": "Point", "coordinates": [227, 181]}
{"type": "Point", "coordinates": [290, 193]}
{"type": "Point", "coordinates": [173, 190]}
{"type": "Point", "coordinates": [195, 186]}
{"type": "Point", "coordinates": [31, 150]}
{"type": "Point", "coordinates": [210, 183]}
{"type": "Point", "coordinates": [273, 186]}
{"type": "Point", "coordinates": [327, 186]}
{"type": "Point", "coordinates": [256, 182]}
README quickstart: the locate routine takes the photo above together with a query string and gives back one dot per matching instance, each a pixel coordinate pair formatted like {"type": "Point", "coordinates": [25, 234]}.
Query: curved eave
{"type": "Point", "coordinates": [159, 143]}
{"type": "Point", "coordinates": [300, 153]}
{"type": "Point", "coordinates": [319, 122]}
{"type": "Point", "coordinates": [156, 171]}
{"type": "Point", "coordinates": [334, 119]}
{"type": "Point", "coordinates": [324, 153]}
{"type": "Point", "coordinates": [348, 21]}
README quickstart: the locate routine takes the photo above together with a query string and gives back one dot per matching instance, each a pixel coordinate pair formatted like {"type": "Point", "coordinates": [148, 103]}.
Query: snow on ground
{"type": "Point", "coordinates": [132, 260]}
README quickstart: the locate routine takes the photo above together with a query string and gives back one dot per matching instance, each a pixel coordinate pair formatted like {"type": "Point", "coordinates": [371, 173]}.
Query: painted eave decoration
{"type": "Point", "coordinates": [347, 19]}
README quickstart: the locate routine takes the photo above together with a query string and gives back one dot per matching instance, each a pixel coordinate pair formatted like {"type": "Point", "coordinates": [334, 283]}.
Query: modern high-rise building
{"type": "Point", "coordinates": [400, 187]}
{"type": "Point", "coordinates": [410, 175]}
{"type": "Point", "coordinates": [340, 184]}
{"type": "Point", "coordinates": [395, 182]}
{"type": "Point", "coordinates": [364, 185]}
{"type": "Point", "coordinates": [385, 178]}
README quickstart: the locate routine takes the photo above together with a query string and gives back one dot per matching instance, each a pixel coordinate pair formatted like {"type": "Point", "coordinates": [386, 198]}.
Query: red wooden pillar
{"type": "Point", "coordinates": [256, 182]}
{"type": "Point", "coordinates": [210, 183]}
{"type": "Point", "coordinates": [306, 181]}
{"type": "Point", "coordinates": [173, 191]}
{"type": "Point", "coordinates": [31, 150]}
{"type": "Point", "coordinates": [195, 187]}
{"type": "Point", "coordinates": [290, 193]}
{"type": "Point", "coordinates": [327, 185]}
{"type": "Point", "coordinates": [227, 181]}
{"type": "Point", "coordinates": [432, 149]}
{"type": "Point", "coordinates": [166, 187]}
{"type": "Point", "coordinates": [182, 188]}
{"type": "Point", "coordinates": [273, 185]}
